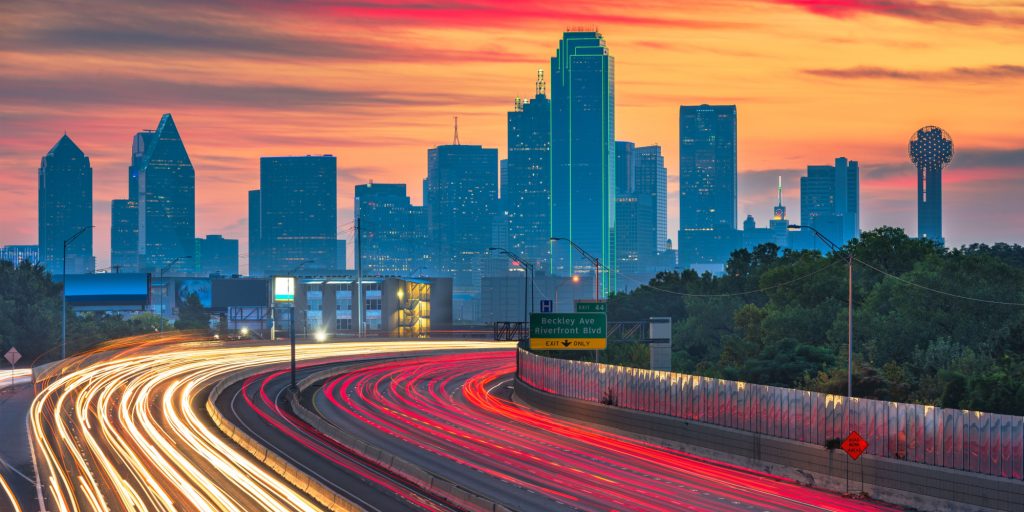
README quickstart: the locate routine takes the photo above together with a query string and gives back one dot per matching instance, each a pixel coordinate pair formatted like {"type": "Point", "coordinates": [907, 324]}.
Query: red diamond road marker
{"type": "Point", "coordinates": [854, 445]}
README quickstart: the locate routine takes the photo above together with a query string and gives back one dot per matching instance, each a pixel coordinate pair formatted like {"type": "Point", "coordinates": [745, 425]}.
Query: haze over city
{"type": "Point", "coordinates": [376, 84]}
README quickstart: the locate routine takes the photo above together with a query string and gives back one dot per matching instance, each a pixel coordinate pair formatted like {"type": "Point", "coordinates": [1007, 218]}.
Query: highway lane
{"type": "Point", "coordinates": [439, 412]}
{"type": "Point", "coordinates": [258, 406]}
{"type": "Point", "coordinates": [125, 429]}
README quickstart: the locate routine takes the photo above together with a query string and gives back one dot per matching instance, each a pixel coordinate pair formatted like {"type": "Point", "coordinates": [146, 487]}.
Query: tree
{"type": "Point", "coordinates": [192, 314]}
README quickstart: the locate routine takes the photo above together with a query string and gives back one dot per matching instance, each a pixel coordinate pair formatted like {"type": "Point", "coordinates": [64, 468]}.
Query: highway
{"type": "Point", "coordinates": [127, 429]}
{"type": "Point", "coordinates": [451, 414]}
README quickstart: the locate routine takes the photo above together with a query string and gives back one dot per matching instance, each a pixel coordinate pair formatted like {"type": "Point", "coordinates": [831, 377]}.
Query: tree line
{"type": "Point", "coordinates": [945, 327]}
{"type": "Point", "coordinates": [30, 317]}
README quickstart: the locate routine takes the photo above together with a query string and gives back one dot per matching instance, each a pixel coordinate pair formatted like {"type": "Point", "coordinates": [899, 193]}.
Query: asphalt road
{"type": "Point", "coordinates": [17, 478]}
{"type": "Point", "coordinates": [127, 428]}
{"type": "Point", "coordinates": [440, 412]}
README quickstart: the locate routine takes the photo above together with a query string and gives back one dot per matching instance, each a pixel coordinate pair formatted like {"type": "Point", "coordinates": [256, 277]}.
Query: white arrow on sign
{"type": "Point", "coordinates": [12, 356]}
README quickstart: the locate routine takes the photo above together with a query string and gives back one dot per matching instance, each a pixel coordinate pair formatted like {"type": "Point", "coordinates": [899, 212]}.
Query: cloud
{"type": "Point", "coordinates": [976, 74]}
{"type": "Point", "coordinates": [925, 12]}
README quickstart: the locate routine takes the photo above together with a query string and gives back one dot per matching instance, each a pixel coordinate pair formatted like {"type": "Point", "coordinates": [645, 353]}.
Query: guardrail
{"type": "Point", "coordinates": [991, 444]}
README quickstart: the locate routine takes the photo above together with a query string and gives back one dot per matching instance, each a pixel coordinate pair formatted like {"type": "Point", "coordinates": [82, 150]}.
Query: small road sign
{"type": "Point", "coordinates": [547, 306]}
{"type": "Point", "coordinates": [591, 306]}
{"type": "Point", "coordinates": [854, 445]}
{"type": "Point", "coordinates": [568, 331]}
{"type": "Point", "coordinates": [12, 356]}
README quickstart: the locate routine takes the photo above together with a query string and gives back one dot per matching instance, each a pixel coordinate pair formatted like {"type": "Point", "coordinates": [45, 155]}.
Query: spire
{"type": "Point", "coordinates": [456, 141]}
{"type": "Point", "coordinates": [780, 190]}
{"type": "Point", "coordinates": [541, 85]}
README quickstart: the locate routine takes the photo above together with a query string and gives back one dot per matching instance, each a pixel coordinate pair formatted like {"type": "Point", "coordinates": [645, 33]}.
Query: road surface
{"type": "Point", "coordinates": [440, 413]}
{"type": "Point", "coordinates": [127, 429]}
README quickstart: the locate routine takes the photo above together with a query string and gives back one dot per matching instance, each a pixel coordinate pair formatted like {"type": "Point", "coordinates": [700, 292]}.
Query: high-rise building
{"type": "Point", "coordinates": [583, 155]}
{"type": "Point", "coordinates": [124, 213]}
{"type": "Point", "coordinates": [641, 217]}
{"type": "Point", "coordinates": [167, 202]}
{"type": "Point", "coordinates": [254, 233]}
{"type": "Point", "coordinates": [461, 191]}
{"type": "Point", "coordinates": [65, 208]}
{"type": "Point", "coordinates": [829, 200]}
{"type": "Point", "coordinates": [342, 265]}
{"type": "Point", "coordinates": [298, 204]}
{"type": "Point", "coordinates": [216, 255]}
{"type": "Point", "coordinates": [18, 253]}
{"type": "Point", "coordinates": [931, 148]}
{"type": "Point", "coordinates": [707, 184]}
{"type": "Point", "coordinates": [124, 235]}
{"type": "Point", "coordinates": [394, 232]}
{"type": "Point", "coordinates": [527, 197]}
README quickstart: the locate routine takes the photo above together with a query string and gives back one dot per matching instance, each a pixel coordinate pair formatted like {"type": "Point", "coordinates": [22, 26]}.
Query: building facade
{"type": "Point", "coordinates": [830, 200]}
{"type": "Point", "coordinates": [583, 155]}
{"type": "Point", "coordinates": [18, 253]}
{"type": "Point", "coordinates": [707, 184]}
{"type": "Point", "coordinates": [527, 198]}
{"type": "Point", "coordinates": [124, 235]}
{"type": "Point", "coordinates": [297, 220]}
{"type": "Point", "coordinates": [167, 202]}
{"type": "Point", "coordinates": [393, 239]}
{"type": "Point", "coordinates": [461, 194]}
{"type": "Point", "coordinates": [65, 208]}
{"type": "Point", "coordinates": [216, 255]}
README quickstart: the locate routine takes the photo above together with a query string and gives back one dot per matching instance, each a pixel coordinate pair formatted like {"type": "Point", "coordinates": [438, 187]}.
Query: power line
{"type": "Point", "coordinates": [734, 294]}
{"type": "Point", "coordinates": [940, 292]}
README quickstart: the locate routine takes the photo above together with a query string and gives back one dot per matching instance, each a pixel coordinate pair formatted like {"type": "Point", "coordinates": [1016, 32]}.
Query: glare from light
{"type": "Point", "coordinates": [244, 331]}
{"type": "Point", "coordinates": [320, 336]}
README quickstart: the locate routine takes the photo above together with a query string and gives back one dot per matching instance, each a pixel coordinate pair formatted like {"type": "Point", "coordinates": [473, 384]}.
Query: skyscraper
{"type": "Point", "coordinates": [65, 207]}
{"type": "Point", "coordinates": [298, 204]}
{"type": "Point", "coordinates": [216, 255]}
{"type": "Point", "coordinates": [527, 197]}
{"type": "Point", "coordinates": [931, 148]}
{"type": "Point", "coordinates": [255, 267]}
{"type": "Point", "coordinates": [583, 154]}
{"type": "Point", "coordinates": [830, 198]}
{"type": "Point", "coordinates": [124, 213]}
{"type": "Point", "coordinates": [461, 190]}
{"type": "Point", "coordinates": [124, 235]}
{"type": "Point", "coordinates": [394, 232]}
{"type": "Point", "coordinates": [167, 202]}
{"type": "Point", "coordinates": [641, 217]}
{"type": "Point", "coordinates": [707, 184]}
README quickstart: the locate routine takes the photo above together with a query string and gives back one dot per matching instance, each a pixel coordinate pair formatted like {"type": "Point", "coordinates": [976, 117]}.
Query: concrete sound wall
{"type": "Point", "coordinates": [895, 481]}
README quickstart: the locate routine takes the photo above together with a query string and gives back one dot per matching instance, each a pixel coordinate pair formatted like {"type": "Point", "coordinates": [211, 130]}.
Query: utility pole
{"type": "Point", "coordinates": [849, 304]}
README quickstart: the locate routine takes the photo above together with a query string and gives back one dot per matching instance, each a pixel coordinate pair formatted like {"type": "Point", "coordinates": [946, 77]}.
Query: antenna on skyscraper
{"type": "Point", "coordinates": [456, 142]}
{"type": "Point", "coordinates": [540, 82]}
{"type": "Point", "coordinates": [780, 190]}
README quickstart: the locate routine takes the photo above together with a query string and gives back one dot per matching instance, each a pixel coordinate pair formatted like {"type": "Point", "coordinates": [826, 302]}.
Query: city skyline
{"type": "Point", "coordinates": [880, 96]}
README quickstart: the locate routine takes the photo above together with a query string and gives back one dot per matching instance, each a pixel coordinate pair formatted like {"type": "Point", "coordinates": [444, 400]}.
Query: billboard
{"type": "Point", "coordinates": [200, 287]}
{"type": "Point", "coordinates": [127, 289]}
{"type": "Point", "coordinates": [284, 289]}
{"type": "Point", "coordinates": [240, 292]}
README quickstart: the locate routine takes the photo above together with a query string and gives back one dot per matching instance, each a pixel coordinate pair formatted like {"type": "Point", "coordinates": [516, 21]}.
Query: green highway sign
{"type": "Point", "coordinates": [568, 331]}
{"type": "Point", "coordinates": [591, 306]}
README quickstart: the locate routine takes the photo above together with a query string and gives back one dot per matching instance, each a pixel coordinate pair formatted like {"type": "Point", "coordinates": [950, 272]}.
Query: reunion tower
{"type": "Point", "coordinates": [931, 148]}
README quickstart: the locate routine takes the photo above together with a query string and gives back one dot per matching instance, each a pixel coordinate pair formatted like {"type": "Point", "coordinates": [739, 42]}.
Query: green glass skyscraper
{"type": "Point", "coordinates": [167, 202]}
{"type": "Point", "coordinates": [583, 155]}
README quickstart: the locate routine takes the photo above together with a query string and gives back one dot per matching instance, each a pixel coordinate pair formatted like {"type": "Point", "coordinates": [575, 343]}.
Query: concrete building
{"type": "Point", "coordinates": [394, 232]}
{"type": "Point", "coordinates": [18, 253]}
{"type": "Point", "coordinates": [216, 255]}
{"type": "Point", "coordinates": [830, 200]}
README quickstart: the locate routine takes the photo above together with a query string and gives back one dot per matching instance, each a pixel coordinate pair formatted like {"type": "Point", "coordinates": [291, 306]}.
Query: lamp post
{"type": "Point", "coordinates": [527, 269]}
{"type": "Point", "coordinates": [164, 283]}
{"type": "Point", "coordinates": [64, 293]}
{"type": "Point", "coordinates": [575, 279]}
{"type": "Point", "coordinates": [596, 262]}
{"type": "Point", "coordinates": [849, 304]}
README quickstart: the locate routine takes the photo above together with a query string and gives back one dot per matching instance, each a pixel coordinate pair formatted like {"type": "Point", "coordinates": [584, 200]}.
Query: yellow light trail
{"type": "Point", "coordinates": [125, 430]}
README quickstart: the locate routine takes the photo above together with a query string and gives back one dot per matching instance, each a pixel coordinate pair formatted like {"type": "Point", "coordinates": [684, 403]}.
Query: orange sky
{"type": "Point", "coordinates": [377, 83]}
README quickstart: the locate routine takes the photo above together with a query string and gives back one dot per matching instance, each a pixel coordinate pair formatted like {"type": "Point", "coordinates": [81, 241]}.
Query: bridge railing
{"type": "Point", "coordinates": [974, 441]}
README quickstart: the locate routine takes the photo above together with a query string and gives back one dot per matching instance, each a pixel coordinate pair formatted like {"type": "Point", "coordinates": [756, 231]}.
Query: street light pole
{"type": "Point", "coordinates": [64, 293]}
{"type": "Point", "coordinates": [527, 270]}
{"type": "Point", "coordinates": [164, 283]}
{"type": "Point", "coordinates": [849, 303]}
{"type": "Point", "coordinates": [596, 262]}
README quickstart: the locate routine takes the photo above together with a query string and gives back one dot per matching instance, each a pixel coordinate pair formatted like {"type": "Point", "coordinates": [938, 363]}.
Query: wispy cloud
{"type": "Point", "coordinates": [975, 74]}
{"type": "Point", "coordinates": [928, 12]}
